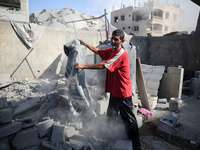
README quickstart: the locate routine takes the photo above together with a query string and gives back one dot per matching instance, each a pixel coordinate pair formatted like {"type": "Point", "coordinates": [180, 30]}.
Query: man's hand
{"type": "Point", "coordinates": [78, 65]}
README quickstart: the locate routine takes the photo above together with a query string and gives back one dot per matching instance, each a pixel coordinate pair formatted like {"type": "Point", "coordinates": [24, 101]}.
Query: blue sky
{"type": "Point", "coordinates": [96, 7]}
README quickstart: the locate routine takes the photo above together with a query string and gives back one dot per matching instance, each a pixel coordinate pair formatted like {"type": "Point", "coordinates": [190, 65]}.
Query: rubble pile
{"type": "Point", "coordinates": [62, 18]}
{"type": "Point", "coordinates": [35, 114]}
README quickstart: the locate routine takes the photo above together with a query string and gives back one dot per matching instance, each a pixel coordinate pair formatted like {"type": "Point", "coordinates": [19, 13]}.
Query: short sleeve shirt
{"type": "Point", "coordinates": [118, 81]}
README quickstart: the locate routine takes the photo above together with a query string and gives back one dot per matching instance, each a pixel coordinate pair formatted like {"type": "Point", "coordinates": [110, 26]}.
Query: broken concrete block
{"type": "Point", "coordinates": [9, 129]}
{"type": "Point", "coordinates": [173, 104]}
{"type": "Point", "coordinates": [45, 127]}
{"type": "Point", "coordinates": [166, 126]}
{"type": "Point", "coordinates": [69, 132]}
{"type": "Point", "coordinates": [78, 141]}
{"type": "Point", "coordinates": [102, 106]}
{"type": "Point", "coordinates": [6, 115]}
{"type": "Point", "coordinates": [27, 105]}
{"type": "Point", "coordinates": [122, 145]}
{"type": "Point", "coordinates": [4, 144]}
{"type": "Point", "coordinates": [3, 102]}
{"type": "Point", "coordinates": [26, 122]}
{"type": "Point", "coordinates": [58, 134]}
{"type": "Point", "coordinates": [25, 138]}
{"type": "Point", "coordinates": [5, 80]}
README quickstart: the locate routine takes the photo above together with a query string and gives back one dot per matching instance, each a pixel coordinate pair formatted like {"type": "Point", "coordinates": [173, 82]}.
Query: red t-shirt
{"type": "Point", "coordinates": [118, 81]}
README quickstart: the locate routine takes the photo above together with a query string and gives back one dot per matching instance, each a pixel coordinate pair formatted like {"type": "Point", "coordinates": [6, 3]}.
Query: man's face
{"type": "Point", "coordinates": [116, 42]}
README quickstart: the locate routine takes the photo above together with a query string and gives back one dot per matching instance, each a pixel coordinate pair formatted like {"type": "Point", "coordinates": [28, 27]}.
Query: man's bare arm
{"type": "Point", "coordinates": [92, 66]}
{"type": "Point", "coordinates": [92, 48]}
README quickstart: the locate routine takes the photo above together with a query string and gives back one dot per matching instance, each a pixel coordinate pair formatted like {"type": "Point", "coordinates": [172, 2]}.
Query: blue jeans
{"type": "Point", "coordinates": [125, 106]}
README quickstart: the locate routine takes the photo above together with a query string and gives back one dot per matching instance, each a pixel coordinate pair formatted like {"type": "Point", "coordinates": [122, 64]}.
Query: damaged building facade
{"type": "Point", "coordinates": [154, 17]}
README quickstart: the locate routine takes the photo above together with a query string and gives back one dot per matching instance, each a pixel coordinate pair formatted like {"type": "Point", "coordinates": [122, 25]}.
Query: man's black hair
{"type": "Point", "coordinates": [119, 32]}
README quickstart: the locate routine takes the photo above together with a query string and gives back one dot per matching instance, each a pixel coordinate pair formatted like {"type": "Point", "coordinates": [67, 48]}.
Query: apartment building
{"type": "Point", "coordinates": [154, 17]}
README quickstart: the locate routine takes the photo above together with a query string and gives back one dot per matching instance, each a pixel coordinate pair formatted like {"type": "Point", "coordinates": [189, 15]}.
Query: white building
{"type": "Point", "coordinates": [155, 18]}
{"type": "Point", "coordinates": [14, 10]}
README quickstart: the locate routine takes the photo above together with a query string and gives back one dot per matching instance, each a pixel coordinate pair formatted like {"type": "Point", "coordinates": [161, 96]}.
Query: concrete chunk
{"type": "Point", "coordinates": [4, 144]}
{"type": "Point", "coordinates": [45, 127]}
{"type": "Point", "coordinates": [122, 145]}
{"type": "Point", "coordinates": [26, 138]}
{"type": "Point", "coordinates": [78, 141]}
{"type": "Point", "coordinates": [9, 129]}
{"type": "Point", "coordinates": [26, 106]}
{"type": "Point", "coordinates": [26, 122]}
{"type": "Point", "coordinates": [3, 102]}
{"type": "Point", "coordinates": [58, 134]}
{"type": "Point", "coordinates": [6, 115]}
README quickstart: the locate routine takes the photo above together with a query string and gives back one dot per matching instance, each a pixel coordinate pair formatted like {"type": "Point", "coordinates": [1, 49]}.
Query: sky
{"type": "Point", "coordinates": [96, 7]}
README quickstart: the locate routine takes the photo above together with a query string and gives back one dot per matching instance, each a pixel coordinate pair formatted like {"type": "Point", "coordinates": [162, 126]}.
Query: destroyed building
{"type": "Point", "coordinates": [154, 18]}
{"type": "Point", "coordinates": [35, 108]}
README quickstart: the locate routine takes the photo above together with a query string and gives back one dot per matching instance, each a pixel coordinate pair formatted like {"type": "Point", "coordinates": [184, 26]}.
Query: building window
{"type": "Point", "coordinates": [116, 19]}
{"type": "Point", "coordinates": [122, 18]}
{"type": "Point", "coordinates": [158, 13]}
{"type": "Point", "coordinates": [136, 28]}
{"type": "Point", "coordinates": [175, 17]}
{"type": "Point", "coordinates": [167, 15]}
{"type": "Point", "coordinates": [10, 3]}
{"type": "Point", "coordinates": [123, 28]}
{"type": "Point", "coordinates": [129, 27]}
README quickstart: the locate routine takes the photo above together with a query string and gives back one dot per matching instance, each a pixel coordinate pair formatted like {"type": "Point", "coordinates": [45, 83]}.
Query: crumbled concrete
{"type": "Point", "coordinates": [5, 80]}
{"type": "Point", "coordinates": [6, 115]}
{"type": "Point", "coordinates": [9, 129]}
{"type": "Point", "coordinates": [25, 138]}
{"type": "Point", "coordinates": [58, 134]}
{"type": "Point", "coordinates": [44, 127]}
{"type": "Point", "coordinates": [122, 145]}
{"type": "Point", "coordinates": [4, 144]}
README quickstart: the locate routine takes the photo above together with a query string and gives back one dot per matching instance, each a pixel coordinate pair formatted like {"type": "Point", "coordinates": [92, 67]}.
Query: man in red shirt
{"type": "Point", "coordinates": [118, 83]}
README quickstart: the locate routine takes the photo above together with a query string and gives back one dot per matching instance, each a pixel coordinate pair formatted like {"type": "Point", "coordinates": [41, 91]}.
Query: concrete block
{"type": "Point", "coordinates": [45, 127]}
{"type": "Point", "coordinates": [58, 134]}
{"type": "Point", "coordinates": [26, 106]}
{"type": "Point", "coordinates": [78, 141]}
{"type": "Point", "coordinates": [6, 115]}
{"type": "Point", "coordinates": [3, 102]}
{"type": "Point", "coordinates": [102, 107]}
{"type": "Point", "coordinates": [25, 139]}
{"type": "Point", "coordinates": [166, 126]}
{"type": "Point", "coordinates": [69, 132]}
{"type": "Point", "coordinates": [4, 144]}
{"type": "Point", "coordinates": [171, 83]}
{"type": "Point", "coordinates": [26, 122]}
{"type": "Point", "coordinates": [9, 129]}
{"type": "Point", "coordinates": [5, 80]}
{"type": "Point", "coordinates": [122, 145]}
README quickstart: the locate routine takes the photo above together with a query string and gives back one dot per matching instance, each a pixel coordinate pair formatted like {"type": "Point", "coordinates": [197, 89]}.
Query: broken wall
{"type": "Point", "coordinates": [47, 57]}
{"type": "Point", "coordinates": [169, 50]}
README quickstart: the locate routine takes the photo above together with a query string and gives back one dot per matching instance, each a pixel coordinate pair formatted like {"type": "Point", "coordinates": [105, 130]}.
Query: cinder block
{"type": "Point", "coordinates": [102, 106]}
{"type": "Point", "coordinates": [166, 126]}
{"type": "Point", "coordinates": [4, 144]}
{"type": "Point", "coordinates": [58, 134]}
{"type": "Point", "coordinates": [26, 122]}
{"type": "Point", "coordinates": [6, 115]}
{"type": "Point", "coordinates": [122, 145]}
{"type": "Point", "coordinates": [9, 129]}
{"type": "Point", "coordinates": [78, 141]}
{"type": "Point", "coordinates": [45, 127]}
{"type": "Point", "coordinates": [26, 138]}
{"type": "Point", "coordinates": [27, 105]}
{"type": "Point", "coordinates": [3, 102]}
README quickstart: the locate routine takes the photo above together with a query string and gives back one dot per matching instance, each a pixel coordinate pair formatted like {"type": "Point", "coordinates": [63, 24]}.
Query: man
{"type": "Point", "coordinates": [118, 83]}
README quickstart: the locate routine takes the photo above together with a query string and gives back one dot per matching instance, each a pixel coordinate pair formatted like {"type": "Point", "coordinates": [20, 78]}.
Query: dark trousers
{"type": "Point", "coordinates": [125, 106]}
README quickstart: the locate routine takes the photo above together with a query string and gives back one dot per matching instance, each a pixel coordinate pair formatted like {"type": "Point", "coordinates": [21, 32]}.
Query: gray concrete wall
{"type": "Point", "coordinates": [46, 59]}
{"type": "Point", "coordinates": [169, 50]}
